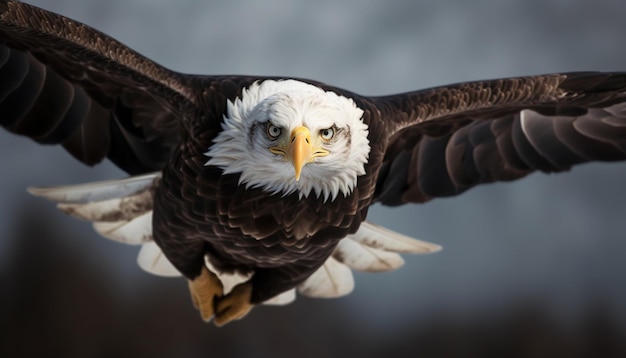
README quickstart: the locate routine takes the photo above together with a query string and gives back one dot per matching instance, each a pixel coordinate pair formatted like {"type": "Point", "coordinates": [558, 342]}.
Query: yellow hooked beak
{"type": "Point", "coordinates": [300, 150]}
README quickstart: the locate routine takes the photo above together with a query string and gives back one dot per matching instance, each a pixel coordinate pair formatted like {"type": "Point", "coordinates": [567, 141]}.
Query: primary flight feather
{"type": "Point", "coordinates": [253, 188]}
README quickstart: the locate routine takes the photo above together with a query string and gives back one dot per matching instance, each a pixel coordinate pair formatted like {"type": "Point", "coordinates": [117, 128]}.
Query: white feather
{"type": "Point", "coordinates": [229, 279]}
{"type": "Point", "coordinates": [96, 191]}
{"type": "Point", "coordinates": [134, 232]}
{"type": "Point", "coordinates": [364, 258]}
{"type": "Point", "coordinates": [333, 279]}
{"type": "Point", "coordinates": [378, 237]}
{"type": "Point", "coordinates": [115, 209]}
{"type": "Point", "coordinates": [152, 260]}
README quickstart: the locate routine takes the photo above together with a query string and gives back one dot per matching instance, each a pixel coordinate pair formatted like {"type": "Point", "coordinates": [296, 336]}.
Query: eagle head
{"type": "Point", "coordinates": [289, 136]}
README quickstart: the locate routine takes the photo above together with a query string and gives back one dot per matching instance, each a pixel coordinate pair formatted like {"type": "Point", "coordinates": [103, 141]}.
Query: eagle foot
{"type": "Point", "coordinates": [234, 305]}
{"type": "Point", "coordinates": [205, 289]}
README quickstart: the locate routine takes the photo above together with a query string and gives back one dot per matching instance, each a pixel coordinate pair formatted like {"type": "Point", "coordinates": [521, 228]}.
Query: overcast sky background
{"type": "Point", "coordinates": [557, 240]}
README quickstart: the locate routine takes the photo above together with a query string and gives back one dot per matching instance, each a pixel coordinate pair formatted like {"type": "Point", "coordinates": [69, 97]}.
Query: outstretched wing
{"type": "Point", "coordinates": [62, 82]}
{"type": "Point", "coordinates": [448, 139]}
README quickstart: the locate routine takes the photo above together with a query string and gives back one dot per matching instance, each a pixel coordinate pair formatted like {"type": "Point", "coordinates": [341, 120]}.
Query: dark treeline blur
{"type": "Point", "coordinates": [55, 303]}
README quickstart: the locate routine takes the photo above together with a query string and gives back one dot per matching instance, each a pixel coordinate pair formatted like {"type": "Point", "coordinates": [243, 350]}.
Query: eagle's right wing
{"type": "Point", "coordinates": [62, 82]}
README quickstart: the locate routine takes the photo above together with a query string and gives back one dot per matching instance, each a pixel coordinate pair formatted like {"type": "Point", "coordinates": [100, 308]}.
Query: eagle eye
{"type": "Point", "coordinates": [273, 131]}
{"type": "Point", "coordinates": [327, 133]}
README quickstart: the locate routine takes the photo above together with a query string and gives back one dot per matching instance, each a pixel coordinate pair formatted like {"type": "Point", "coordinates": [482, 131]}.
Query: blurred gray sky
{"type": "Point", "coordinates": [554, 239]}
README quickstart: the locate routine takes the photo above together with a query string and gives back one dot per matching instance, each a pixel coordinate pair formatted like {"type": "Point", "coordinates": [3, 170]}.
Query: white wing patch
{"type": "Point", "coordinates": [372, 248]}
{"type": "Point", "coordinates": [378, 237]}
{"type": "Point", "coordinates": [121, 210]}
{"type": "Point", "coordinates": [364, 258]}
{"type": "Point", "coordinates": [333, 279]}
{"type": "Point", "coordinates": [134, 231]}
{"type": "Point", "coordinates": [151, 259]}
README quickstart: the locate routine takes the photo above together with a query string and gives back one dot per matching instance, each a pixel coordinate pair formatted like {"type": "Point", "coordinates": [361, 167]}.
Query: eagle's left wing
{"type": "Point", "coordinates": [448, 139]}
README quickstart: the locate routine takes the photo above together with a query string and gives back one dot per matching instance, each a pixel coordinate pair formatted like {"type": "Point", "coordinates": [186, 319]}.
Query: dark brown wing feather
{"type": "Point", "coordinates": [449, 139]}
{"type": "Point", "coordinates": [65, 83]}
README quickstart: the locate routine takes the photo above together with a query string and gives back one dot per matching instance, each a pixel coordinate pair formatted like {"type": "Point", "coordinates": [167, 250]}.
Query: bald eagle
{"type": "Point", "coordinates": [254, 188]}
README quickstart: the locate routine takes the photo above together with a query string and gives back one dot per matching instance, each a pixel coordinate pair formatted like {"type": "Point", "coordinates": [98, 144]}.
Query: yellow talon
{"type": "Point", "coordinates": [205, 289]}
{"type": "Point", "coordinates": [234, 305]}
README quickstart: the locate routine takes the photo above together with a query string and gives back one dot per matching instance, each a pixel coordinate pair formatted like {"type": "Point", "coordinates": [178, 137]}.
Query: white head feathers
{"type": "Point", "coordinates": [243, 145]}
